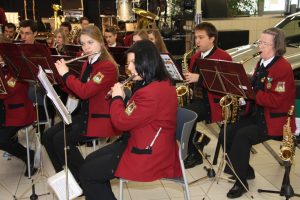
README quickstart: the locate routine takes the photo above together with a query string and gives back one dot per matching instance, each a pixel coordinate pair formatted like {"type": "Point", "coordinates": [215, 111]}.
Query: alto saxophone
{"type": "Point", "coordinates": [287, 150]}
{"type": "Point", "coordinates": [230, 108]}
{"type": "Point", "coordinates": [183, 89]}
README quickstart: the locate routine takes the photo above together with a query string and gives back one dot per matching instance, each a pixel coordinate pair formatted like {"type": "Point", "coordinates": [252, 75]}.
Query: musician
{"type": "Point", "coordinates": [274, 85]}
{"type": "Point", "coordinates": [84, 22]}
{"type": "Point", "coordinates": [203, 102]}
{"type": "Point", "coordinates": [28, 31]}
{"type": "Point", "coordinates": [67, 27]}
{"type": "Point", "coordinates": [10, 30]}
{"type": "Point", "coordinates": [16, 112]}
{"type": "Point", "coordinates": [140, 35]}
{"type": "Point", "coordinates": [110, 35]}
{"type": "Point", "coordinates": [60, 39]}
{"type": "Point", "coordinates": [155, 37]}
{"type": "Point", "coordinates": [150, 112]}
{"type": "Point", "coordinates": [98, 75]}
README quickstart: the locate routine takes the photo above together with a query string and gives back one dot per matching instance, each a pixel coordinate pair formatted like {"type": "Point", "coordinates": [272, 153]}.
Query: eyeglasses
{"type": "Point", "coordinates": [264, 43]}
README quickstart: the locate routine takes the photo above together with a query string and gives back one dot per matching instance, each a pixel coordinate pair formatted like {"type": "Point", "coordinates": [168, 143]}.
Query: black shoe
{"type": "Point", "coordinates": [237, 190]}
{"type": "Point", "coordinates": [192, 160]}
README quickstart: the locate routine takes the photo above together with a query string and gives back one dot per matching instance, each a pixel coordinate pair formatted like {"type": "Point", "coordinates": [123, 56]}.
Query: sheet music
{"type": "Point", "coordinates": [51, 93]}
{"type": "Point", "coordinates": [171, 67]}
{"type": "Point", "coordinates": [58, 184]}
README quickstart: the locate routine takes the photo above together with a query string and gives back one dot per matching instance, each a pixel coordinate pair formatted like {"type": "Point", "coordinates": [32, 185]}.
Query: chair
{"type": "Point", "coordinates": [185, 122]}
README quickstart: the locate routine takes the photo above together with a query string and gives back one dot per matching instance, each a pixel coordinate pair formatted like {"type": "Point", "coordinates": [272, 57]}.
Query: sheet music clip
{"type": "Point", "coordinates": [171, 67]}
{"type": "Point", "coordinates": [57, 183]}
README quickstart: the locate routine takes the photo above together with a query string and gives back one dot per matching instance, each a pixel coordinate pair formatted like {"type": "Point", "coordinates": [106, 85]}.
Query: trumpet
{"type": "Point", "coordinates": [249, 58]}
{"type": "Point", "coordinates": [130, 78]}
{"type": "Point", "coordinates": [78, 58]}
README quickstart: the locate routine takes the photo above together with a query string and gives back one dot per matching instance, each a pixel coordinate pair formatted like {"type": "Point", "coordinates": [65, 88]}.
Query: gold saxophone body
{"type": "Point", "coordinates": [230, 108]}
{"type": "Point", "coordinates": [287, 149]}
{"type": "Point", "coordinates": [183, 89]}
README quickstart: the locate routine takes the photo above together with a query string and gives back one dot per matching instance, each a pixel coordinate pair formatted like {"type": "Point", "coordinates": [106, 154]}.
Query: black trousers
{"type": "Point", "coordinates": [240, 137]}
{"type": "Point", "coordinates": [199, 107]}
{"type": "Point", "coordinates": [99, 168]}
{"type": "Point", "coordinates": [9, 142]}
{"type": "Point", "coordinates": [53, 140]}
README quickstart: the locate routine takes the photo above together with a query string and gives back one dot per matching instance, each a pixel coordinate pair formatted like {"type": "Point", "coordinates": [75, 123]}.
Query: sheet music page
{"type": "Point", "coordinates": [171, 67]}
{"type": "Point", "coordinates": [51, 93]}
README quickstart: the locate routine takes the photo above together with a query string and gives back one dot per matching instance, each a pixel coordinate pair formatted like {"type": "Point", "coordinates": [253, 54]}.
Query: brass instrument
{"type": "Point", "coordinates": [73, 34]}
{"type": "Point", "coordinates": [249, 58]}
{"type": "Point", "coordinates": [78, 58]}
{"type": "Point", "coordinates": [183, 89]}
{"type": "Point", "coordinates": [128, 80]}
{"type": "Point", "coordinates": [230, 108]}
{"type": "Point", "coordinates": [57, 20]}
{"type": "Point", "coordinates": [287, 150]}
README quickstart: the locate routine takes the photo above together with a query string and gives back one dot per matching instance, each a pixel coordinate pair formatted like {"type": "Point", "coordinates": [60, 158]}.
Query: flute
{"type": "Point", "coordinates": [78, 58]}
{"type": "Point", "coordinates": [130, 78]}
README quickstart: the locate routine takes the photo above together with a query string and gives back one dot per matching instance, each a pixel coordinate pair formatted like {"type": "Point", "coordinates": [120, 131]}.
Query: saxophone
{"type": "Point", "coordinates": [183, 89]}
{"type": "Point", "coordinates": [287, 149]}
{"type": "Point", "coordinates": [230, 108]}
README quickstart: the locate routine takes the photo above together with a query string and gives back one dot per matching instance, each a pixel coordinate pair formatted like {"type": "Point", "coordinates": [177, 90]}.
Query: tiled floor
{"type": "Point", "coordinates": [269, 174]}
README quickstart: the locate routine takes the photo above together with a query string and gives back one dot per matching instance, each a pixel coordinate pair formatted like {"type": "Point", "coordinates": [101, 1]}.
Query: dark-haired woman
{"type": "Point", "coordinates": [148, 151]}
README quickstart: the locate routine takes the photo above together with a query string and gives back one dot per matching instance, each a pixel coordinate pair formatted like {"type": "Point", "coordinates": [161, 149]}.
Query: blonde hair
{"type": "Point", "coordinates": [61, 31]}
{"type": "Point", "coordinates": [142, 33]}
{"type": "Point", "coordinates": [159, 42]}
{"type": "Point", "coordinates": [95, 33]}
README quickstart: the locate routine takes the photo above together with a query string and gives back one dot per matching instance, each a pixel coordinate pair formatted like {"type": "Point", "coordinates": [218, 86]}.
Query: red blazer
{"type": "Point", "coordinates": [19, 109]}
{"type": "Point", "coordinates": [278, 96]}
{"type": "Point", "coordinates": [153, 106]}
{"type": "Point", "coordinates": [98, 121]}
{"type": "Point", "coordinates": [212, 98]}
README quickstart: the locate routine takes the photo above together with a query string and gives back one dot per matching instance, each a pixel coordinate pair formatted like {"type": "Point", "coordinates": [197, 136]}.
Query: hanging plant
{"type": "Point", "coordinates": [241, 7]}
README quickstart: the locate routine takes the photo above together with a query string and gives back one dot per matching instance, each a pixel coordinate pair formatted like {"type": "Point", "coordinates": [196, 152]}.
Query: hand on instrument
{"type": "Point", "coordinates": [191, 77]}
{"type": "Point", "coordinates": [117, 90]}
{"type": "Point", "coordinates": [61, 67]}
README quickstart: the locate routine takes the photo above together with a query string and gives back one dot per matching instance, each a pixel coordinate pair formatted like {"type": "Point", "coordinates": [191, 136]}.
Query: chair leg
{"type": "Point", "coordinates": [121, 185]}
{"type": "Point", "coordinates": [94, 144]}
{"type": "Point", "coordinates": [28, 153]}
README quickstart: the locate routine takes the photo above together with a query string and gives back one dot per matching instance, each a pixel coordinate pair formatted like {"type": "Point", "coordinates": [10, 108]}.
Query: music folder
{"type": "Point", "coordinates": [171, 67]}
{"type": "Point", "coordinates": [23, 61]}
{"type": "Point", "coordinates": [225, 77]}
{"type": "Point", "coordinates": [119, 55]}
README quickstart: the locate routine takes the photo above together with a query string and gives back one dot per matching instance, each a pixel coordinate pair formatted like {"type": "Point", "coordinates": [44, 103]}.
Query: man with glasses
{"type": "Point", "coordinates": [274, 86]}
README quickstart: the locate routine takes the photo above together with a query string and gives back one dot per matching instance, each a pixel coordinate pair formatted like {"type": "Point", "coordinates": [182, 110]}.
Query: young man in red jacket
{"type": "Point", "coordinates": [204, 102]}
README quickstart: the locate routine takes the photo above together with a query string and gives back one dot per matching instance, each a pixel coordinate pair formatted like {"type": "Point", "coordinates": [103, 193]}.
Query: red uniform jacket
{"type": "Point", "coordinates": [277, 96]}
{"type": "Point", "coordinates": [103, 76]}
{"type": "Point", "coordinates": [212, 99]}
{"type": "Point", "coordinates": [19, 109]}
{"type": "Point", "coordinates": [150, 108]}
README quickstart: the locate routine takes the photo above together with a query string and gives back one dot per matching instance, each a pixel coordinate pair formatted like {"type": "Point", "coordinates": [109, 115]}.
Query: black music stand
{"type": "Point", "coordinates": [120, 57]}
{"type": "Point", "coordinates": [228, 78]}
{"type": "Point", "coordinates": [3, 84]}
{"type": "Point", "coordinates": [72, 50]}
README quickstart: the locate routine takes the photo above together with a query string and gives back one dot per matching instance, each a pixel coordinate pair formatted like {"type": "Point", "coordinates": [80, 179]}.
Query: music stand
{"type": "Point", "coordinates": [3, 84]}
{"type": "Point", "coordinates": [72, 50]}
{"type": "Point", "coordinates": [23, 61]}
{"type": "Point", "coordinates": [120, 57]}
{"type": "Point", "coordinates": [228, 78]}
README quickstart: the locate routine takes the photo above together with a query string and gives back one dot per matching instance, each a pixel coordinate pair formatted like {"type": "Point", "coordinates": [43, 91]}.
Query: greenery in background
{"type": "Point", "coordinates": [242, 7]}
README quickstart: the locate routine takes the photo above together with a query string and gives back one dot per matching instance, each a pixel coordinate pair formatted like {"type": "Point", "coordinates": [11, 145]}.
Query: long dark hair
{"type": "Point", "coordinates": [148, 63]}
